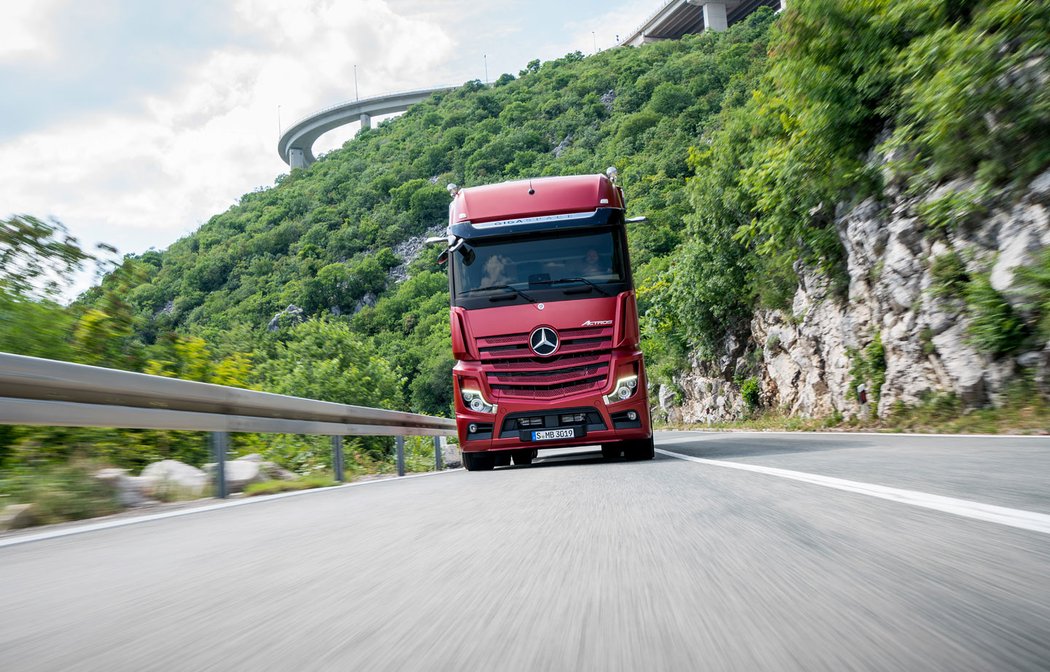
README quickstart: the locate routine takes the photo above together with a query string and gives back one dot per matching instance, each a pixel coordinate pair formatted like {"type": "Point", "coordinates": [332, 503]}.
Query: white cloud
{"type": "Point", "coordinates": [143, 180]}
{"type": "Point", "coordinates": [26, 34]}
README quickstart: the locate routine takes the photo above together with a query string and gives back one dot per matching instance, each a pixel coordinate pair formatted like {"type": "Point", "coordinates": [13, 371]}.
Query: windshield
{"type": "Point", "coordinates": [540, 268]}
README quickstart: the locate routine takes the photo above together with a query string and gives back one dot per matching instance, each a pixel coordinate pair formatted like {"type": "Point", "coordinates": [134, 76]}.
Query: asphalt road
{"type": "Point", "coordinates": [571, 564]}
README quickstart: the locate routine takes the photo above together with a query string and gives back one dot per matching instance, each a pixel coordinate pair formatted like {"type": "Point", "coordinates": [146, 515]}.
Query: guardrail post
{"type": "Point", "coordinates": [220, 443]}
{"type": "Point", "coordinates": [400, 443]}
{"type": "Point", "coordinates": [438, 465]}
{"type": "Point", "coordinates": [337, 458]}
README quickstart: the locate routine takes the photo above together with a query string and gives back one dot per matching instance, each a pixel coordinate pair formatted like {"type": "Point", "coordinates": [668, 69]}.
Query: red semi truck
{"type": "Point", "coordinates": [544, 321]}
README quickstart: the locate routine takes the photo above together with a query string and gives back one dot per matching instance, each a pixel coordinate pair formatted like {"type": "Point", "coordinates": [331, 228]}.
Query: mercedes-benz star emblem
{"type": "Point", "coordinates": [543, 341]}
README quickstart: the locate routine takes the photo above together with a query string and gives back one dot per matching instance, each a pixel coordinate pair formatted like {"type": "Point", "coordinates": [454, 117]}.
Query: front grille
{"type": "Point", "coordinates": [581, 365]}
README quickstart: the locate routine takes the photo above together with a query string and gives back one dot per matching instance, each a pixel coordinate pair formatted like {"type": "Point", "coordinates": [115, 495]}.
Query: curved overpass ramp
{"type": "Point", "coordinates": [295, 145]}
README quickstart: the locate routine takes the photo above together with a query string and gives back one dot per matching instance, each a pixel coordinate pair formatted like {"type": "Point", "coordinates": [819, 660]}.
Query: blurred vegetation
{"type": "Point", "coordinates": [739, 147]}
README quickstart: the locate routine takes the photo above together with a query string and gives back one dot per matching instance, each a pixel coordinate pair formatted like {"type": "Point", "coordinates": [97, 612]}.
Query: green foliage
{"type": "Point", "coordinates": [323, 359]}
{"type": "Point", "coordinates": [868, 368]}
{"type": "Point", "coordinates": [949, 274]}
{"type": "Point", "coordinates": [58, 492]}
{"type": "Point", "coordinates": [1034, 283]}
{"type": "Point", "coordinates": [274, 487]}
{"type": "Point", "coordinates": [751, 391]}
{"type": "Point", "coordinates": [972, 88]}
{"type": "Point", "coordinates": [994, 326]}
{"type": "Point", "coordinates": [36, 257]}
{"type": "Point", "coordinates": [954, 209]}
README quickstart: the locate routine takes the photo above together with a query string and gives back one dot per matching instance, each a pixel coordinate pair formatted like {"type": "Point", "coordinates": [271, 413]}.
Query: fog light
{"type": "Point", "coordinates": [472, 428]}
{"type": "Point", "coordinates": [632, 416]}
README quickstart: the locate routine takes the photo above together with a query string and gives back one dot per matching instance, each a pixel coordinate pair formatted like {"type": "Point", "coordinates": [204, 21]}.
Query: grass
{"type": "Point", "coordinates": [303, 483]}
{"type": "Point", "coordinates": [59, 493]}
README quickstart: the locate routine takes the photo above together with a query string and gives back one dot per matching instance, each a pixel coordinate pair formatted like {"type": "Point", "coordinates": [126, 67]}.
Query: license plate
{"type": "Point", "coordinates": [551, 434]}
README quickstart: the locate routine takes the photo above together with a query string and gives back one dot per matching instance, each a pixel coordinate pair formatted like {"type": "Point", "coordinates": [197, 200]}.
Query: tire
{"type": "Point", "coordinates": [642, 449]}
{"type": "Point", "coordinates": [611, 451]}
{"type": "Point", "coordinates": [478, 461]}
{"type": "Point", "coordinates": [501, 459]}
{"type": "Point", "coordinates": [524, 456]}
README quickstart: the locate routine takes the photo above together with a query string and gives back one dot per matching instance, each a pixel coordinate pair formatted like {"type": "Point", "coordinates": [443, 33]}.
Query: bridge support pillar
{"type": "Point", "coordinates": [715, 17]}
{"type": "Point", "coordinates": [296, 158]}
{"type": "Point", "coordinates": [366, 121]}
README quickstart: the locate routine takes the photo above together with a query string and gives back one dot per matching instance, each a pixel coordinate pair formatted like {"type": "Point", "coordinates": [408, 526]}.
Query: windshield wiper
{"type": "Point", "coordinates": [583, 280]}
{"type": "Point", "coordinates": [500, 298]}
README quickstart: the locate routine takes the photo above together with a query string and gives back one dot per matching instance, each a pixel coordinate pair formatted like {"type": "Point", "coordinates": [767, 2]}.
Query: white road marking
{"type": "Point", "coordinates": [107, 524]}
{"type": "Point", "coordinates": [1025, 520]}
{"type": "Point", "coordinates": [731, 432]}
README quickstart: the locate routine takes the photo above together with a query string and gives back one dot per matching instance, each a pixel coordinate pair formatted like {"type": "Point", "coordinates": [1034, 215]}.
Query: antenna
{"type": "Point", "coordinates": [531, 190]}
{"type": "Point", "coordinates": [357, 95]}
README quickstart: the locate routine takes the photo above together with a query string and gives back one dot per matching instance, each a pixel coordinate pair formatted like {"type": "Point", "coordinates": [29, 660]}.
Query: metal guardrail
{"type": "Point", "coordinates": [46, 392]}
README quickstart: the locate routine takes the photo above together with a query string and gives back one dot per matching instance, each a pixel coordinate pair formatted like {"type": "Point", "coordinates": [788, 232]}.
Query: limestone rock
{"type": "Point", "coordinates": [16, 516]}
{"type": "Point", "coordinates": [805, 353]}
{"type": "Point", "coordinates": [274, 472]}
{"type": "Point", "coordinates": [175, 478]}
{"type": "Point", "coordinates": [131, 491]}
{"type": "Point", "coordinates": [239, 474]}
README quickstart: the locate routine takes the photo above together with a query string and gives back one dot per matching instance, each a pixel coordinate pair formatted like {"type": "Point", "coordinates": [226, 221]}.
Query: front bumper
{"type": "Point", "coordinates": [601, 424]}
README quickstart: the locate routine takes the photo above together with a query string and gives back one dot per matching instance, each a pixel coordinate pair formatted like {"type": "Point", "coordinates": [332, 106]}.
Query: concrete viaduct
{"type": "Point", "coordinates": [295, 145]}
{"type": "Point", "coordinates": [680, 17]}
{"type": "Point", "coordinates": [673, 20]}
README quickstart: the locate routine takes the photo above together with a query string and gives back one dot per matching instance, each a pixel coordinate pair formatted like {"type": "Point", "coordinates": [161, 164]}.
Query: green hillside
{"type": "Point", "coordinates": [326, 239]}
{"type": "Point", "coordinates": [737, 146]}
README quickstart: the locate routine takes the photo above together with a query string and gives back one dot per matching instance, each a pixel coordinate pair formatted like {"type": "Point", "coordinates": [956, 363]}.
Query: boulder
{"type": "Point", "coordinates": [16, 516]}
{"type": "Point", "coordinates": [130, 490]}
{"type": "Point", "coordinates": [276, 472]}
{"type": "Point", "coordinates": [239, 474]}
{"type": "Point", "coordinates": [174, 477]}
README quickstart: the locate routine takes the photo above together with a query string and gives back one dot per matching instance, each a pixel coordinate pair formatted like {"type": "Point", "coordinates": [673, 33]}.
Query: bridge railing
{"type": "Point", "coordinates": [50, 393]}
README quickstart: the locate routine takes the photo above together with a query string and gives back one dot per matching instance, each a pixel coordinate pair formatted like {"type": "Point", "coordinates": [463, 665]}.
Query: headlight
{"type": "Point", "coordinates": [476, 402]}
{"type": "Point", "coordinates": [624, 390]}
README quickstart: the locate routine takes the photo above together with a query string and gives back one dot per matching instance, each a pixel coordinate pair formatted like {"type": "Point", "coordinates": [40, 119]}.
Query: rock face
{"type": "Point", "coordinates": [803, 357]}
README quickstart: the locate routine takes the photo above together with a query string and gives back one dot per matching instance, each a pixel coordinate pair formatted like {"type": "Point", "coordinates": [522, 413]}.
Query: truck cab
{"type": "Point", "coordinates": [544, 321]}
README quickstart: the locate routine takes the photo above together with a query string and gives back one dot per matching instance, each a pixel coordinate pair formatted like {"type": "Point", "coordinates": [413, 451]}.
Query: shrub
{"type": "Point", "coordinates": [869, 368]}
{"type": "Point", "coordinates": [59, 493]}
{"type": "Point", "coordinates": [949, 276]}
{"type": "Point", "coordinates": [994, 326]}
{"type": "Point", "coordinates": [750, 390]}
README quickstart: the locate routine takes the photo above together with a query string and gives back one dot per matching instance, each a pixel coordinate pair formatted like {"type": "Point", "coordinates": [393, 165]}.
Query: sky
{"type": "Point", "coordinates": [134, 121]}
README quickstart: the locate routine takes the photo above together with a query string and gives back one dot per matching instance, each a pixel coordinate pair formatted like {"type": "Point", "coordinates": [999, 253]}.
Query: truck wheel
{"type": "Point", "coordinates": [524, 456]}
{"type": "Point", "coordinates": [611, 451]}
{"type": "Point", "coordinates": [642, 449]}
{"type": "Point", "coordinates": [478, 462]}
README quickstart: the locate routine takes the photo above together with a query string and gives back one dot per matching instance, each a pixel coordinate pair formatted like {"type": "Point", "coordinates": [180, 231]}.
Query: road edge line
{"type": "Point", "coordinates": [1018, 518]}
{"type": "Point", "coordinates": [147, 518]}
{"type": "Point", "coordinates": [730, 432]}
